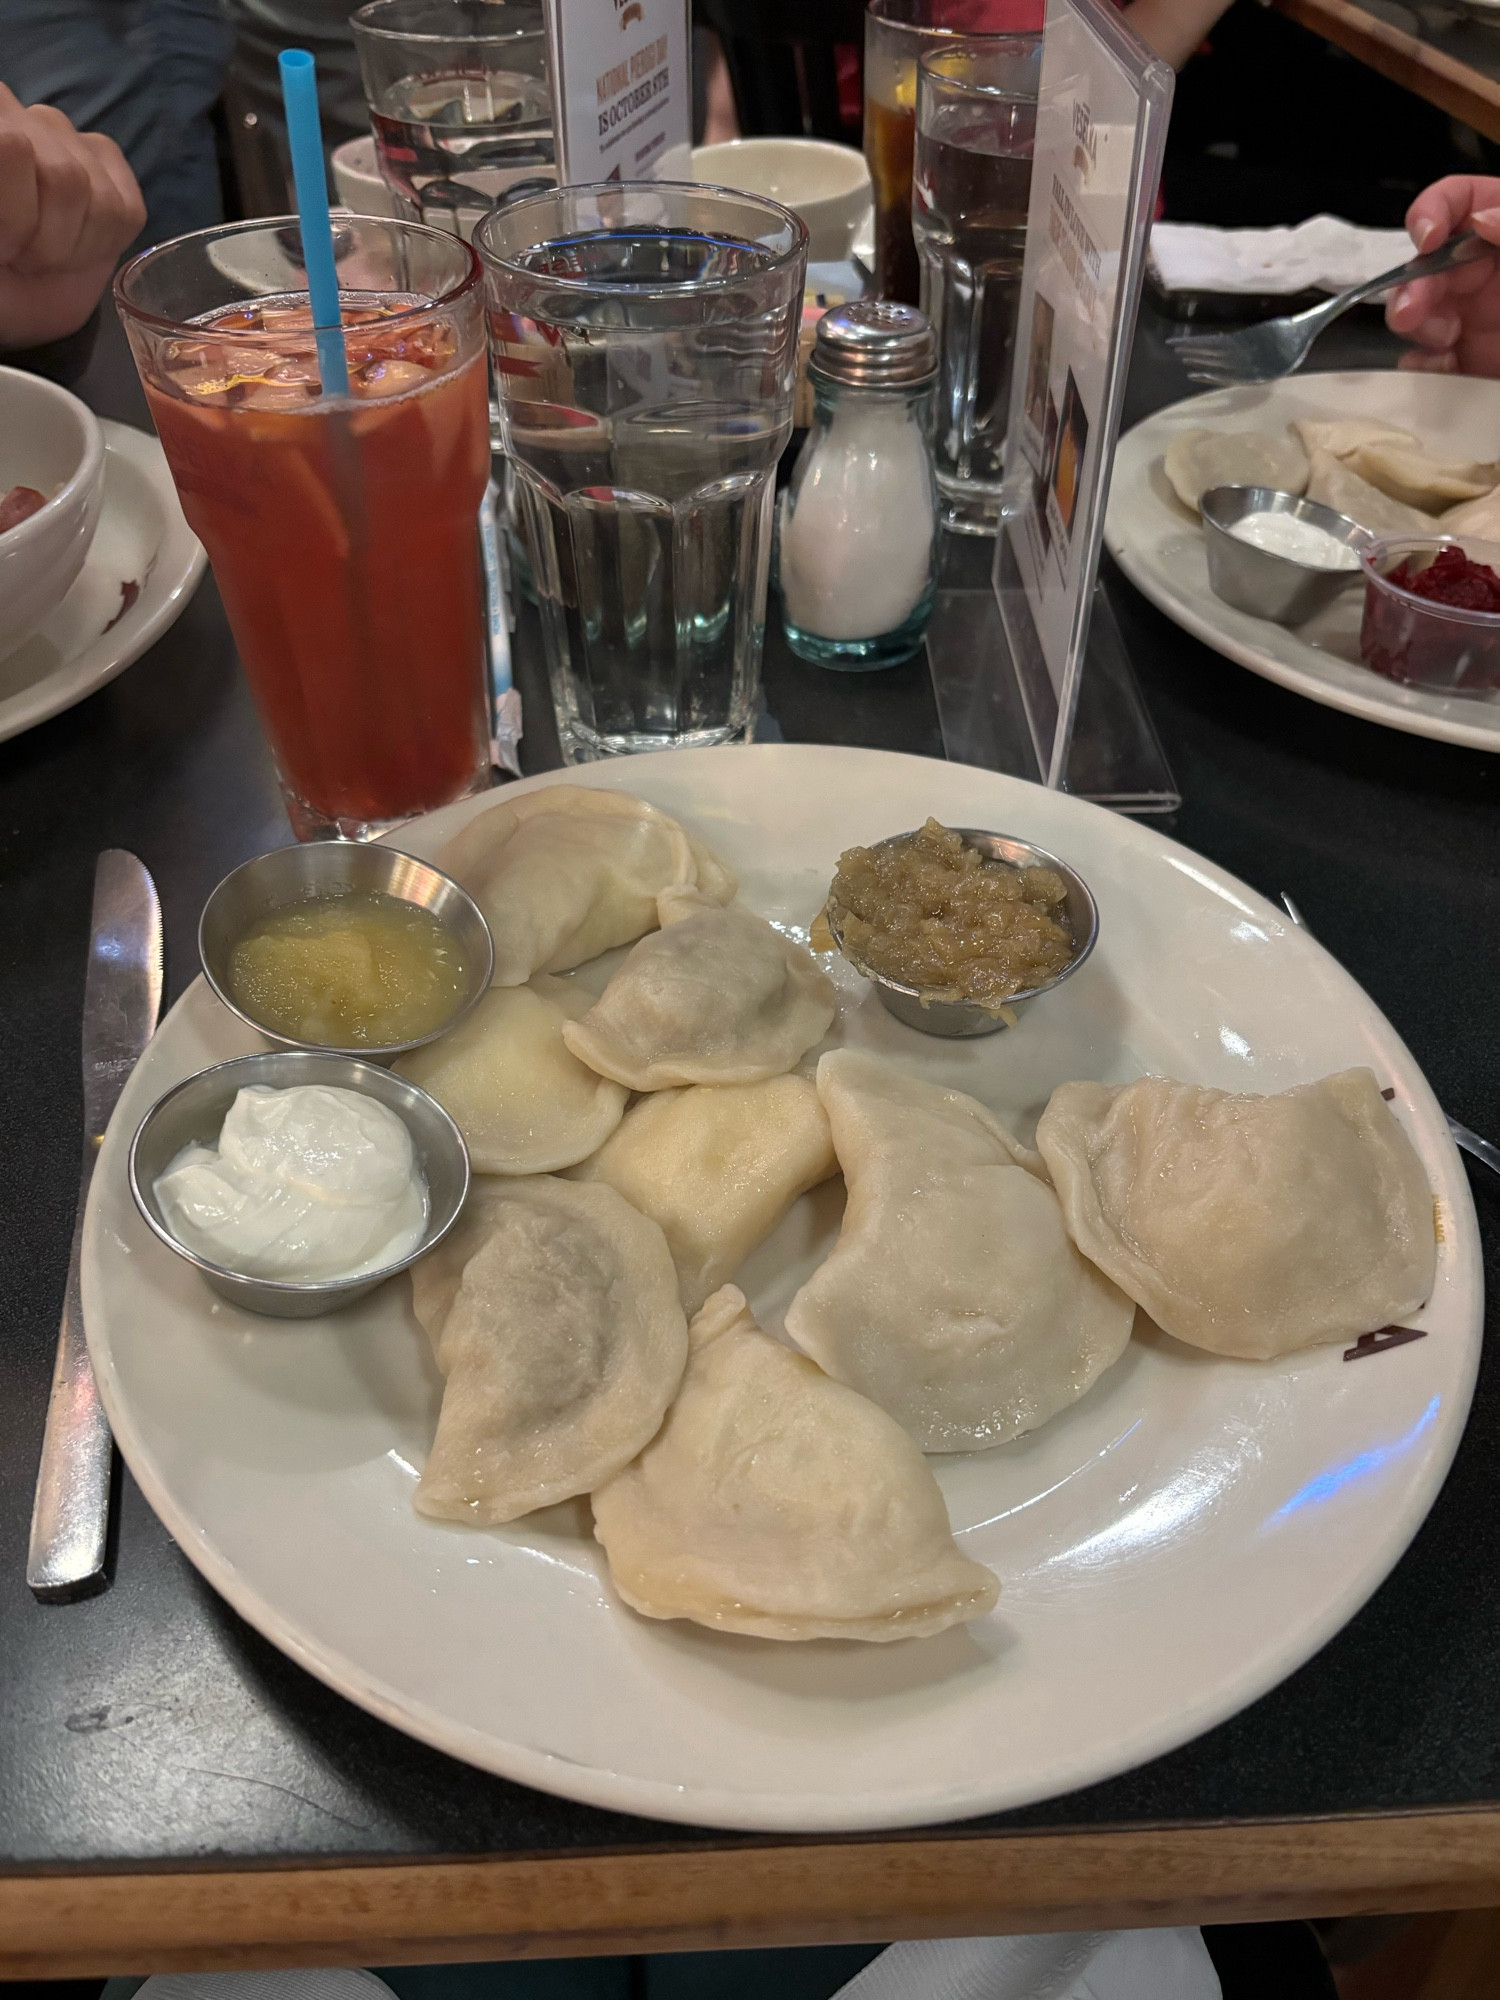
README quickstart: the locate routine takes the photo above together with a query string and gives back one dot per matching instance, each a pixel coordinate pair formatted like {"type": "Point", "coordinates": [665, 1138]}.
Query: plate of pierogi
{"type": "Point", "coordinates": [812, 1424]}
{"type": "Point", "coordinates": [1402, 453]}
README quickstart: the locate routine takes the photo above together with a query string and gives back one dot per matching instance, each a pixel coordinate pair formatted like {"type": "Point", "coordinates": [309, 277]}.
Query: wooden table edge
{"type": "Point", "coordinates": [1416, 65]}
{"type": "Point", "coordinates": [73, 1923]}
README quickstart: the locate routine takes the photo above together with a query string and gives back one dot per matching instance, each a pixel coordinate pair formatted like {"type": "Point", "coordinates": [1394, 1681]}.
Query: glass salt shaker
{"type": "Point", "coordinates": [859, 521]}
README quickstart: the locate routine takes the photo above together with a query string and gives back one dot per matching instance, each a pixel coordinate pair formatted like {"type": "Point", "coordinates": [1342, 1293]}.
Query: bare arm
{"type": "Point", "coordinates": [1174, 28]}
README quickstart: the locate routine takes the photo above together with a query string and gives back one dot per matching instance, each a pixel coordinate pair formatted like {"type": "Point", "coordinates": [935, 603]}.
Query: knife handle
{"type": "Point", "coordinates": [70, 1518]}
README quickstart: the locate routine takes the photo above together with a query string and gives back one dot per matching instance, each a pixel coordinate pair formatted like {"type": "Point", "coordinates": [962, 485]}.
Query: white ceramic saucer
{"type": "Point", "coordinates": [143, 567]}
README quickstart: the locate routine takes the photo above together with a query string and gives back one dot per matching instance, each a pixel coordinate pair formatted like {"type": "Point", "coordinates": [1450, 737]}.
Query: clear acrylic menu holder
{"type": "Point", "coordinates": [1031, 675]}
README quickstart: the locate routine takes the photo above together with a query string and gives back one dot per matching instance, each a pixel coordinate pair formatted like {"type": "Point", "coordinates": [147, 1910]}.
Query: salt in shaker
{"type": "Point", "coordinates": [859, 520]}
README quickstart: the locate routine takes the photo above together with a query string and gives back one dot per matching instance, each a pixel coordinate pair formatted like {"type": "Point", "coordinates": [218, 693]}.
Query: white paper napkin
{"type": "Point", "coordinates": [1322, 254]}
{"type": "Point", "coordinates": [1065, 1965]}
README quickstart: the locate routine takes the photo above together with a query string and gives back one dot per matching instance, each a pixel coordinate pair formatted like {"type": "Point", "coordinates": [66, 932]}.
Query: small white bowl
{"type": "Point", "coordinates": [827, 185]}
{"type": "Point", "coordinates": [49, 441]}
{"type": "Point", "coordinates": [362, 187]}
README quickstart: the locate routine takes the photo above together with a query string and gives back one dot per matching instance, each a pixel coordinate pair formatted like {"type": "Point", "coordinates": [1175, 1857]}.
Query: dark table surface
{"type": "Point", "coordinates": [149, 1724]}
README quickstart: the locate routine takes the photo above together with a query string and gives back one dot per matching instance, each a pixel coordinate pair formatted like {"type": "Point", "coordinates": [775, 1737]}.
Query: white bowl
{"type": "Point", "coordinates": [361, 186]}
{"type": "Point", "coordinates": [827, 185]}
{"type": "Point", "coordinates": [49, 441]}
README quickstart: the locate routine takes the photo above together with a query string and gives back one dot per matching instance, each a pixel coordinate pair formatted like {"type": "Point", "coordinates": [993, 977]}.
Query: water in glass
{"type": "Point", "coordinates": [645, 401]}
{"type": "Point", "coordinates": [976, 129]}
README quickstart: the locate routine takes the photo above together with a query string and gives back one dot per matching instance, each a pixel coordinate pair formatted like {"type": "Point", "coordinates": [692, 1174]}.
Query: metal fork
{"type": "Point", "coordinates": [1480, 1149]}
{"type": "Point", "coordinates": [1279, 347]}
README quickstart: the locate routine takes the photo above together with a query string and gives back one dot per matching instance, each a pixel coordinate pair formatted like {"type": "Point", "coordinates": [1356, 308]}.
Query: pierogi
{"type": "Point", "coordinates": [564, 873]}
{"type": "Point", "coordinates": [953, 1297]}
{"type": "Point", "coordinates": [562, 1348]}
{"type": "Point", "coordinates": [776, 1502]}
{"type": "Point", "coordinates": [717, 1166]}
{"type": "Point", "coordinates": [523, 1101]}
{"type": "Point", "coordinates": [1199, 459]}
{"type": "Point", "coordinates": [1250, 1226]}
{"type": "Point", "coordinates": [714, 996]}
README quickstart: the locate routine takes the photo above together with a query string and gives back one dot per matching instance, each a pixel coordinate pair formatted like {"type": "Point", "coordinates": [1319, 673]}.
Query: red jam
{"type": "Point", "coordinates": [1451, 578]}
{"type": "Point", "coordinates": [1407, 644]}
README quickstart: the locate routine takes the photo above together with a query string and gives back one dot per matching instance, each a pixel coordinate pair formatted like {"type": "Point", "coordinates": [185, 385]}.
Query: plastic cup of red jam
{"type": "Point", "coordinates": [1420, 640]}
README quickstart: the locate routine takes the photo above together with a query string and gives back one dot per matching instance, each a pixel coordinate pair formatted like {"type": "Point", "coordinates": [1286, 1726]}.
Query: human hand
{"type": "Point", "coordinates": [68, 206]}
{"type": "Point", "coordinates": [1454, 318]}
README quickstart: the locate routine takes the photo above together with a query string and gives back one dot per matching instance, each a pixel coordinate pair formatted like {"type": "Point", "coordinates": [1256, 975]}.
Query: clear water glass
{"type": "Point", "coordinates": [971, 186]}
{"type": "Point", "coordinates": [459, 104]}
{"type": "Point", "coordinates": [644, 340]}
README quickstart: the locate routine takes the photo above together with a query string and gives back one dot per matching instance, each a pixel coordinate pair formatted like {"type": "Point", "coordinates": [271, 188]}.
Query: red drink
{"type": "Point", "coordinates": [343, 535]}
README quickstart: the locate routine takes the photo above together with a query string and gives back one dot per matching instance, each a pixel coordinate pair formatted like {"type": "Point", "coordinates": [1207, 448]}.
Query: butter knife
{"type": "Point", "coordinates": [121, 1000]}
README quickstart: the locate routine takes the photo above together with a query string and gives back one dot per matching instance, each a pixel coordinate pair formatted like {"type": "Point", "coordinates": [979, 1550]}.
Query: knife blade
{"type": "Point", "coordinates": [121, 1001]}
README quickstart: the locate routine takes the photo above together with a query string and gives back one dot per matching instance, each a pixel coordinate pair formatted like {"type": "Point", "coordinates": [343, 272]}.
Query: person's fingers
{"type": "Point", "coordinates": [1409, 305]}
{"type": "Point", "coordinates": [1442, 209]}
{"type": "Point", "coordinates": [116, 210]}
{"type": "Point", "coordinates": [9, 102]}
{"type": "Point", "coordinates": [50, 119]}
{"type": "Point", "coordinates": [18, 190]}
{"type": "Point", "coordinates": [1416, 360]}
{"type": "Point", "coordinates": [64, 192]}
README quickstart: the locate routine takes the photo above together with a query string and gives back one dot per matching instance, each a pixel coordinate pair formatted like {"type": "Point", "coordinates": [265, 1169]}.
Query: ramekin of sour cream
{"type": "Point", "coordinates": [1298, 539]}
{"type": "Point", "coordinates": [306, 1185]}
{"type": "Point", "coordinates": [296, 1181]}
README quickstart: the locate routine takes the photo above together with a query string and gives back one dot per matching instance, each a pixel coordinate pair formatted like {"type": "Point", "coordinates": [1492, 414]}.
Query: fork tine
{"type": "Point", "coordinates": [1213, 375]}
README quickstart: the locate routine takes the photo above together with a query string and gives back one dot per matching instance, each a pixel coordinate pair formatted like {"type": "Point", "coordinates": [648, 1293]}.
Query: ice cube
{"type": "Point", "coordinates": [388, 377]}
{"type": "Point", "coordinates": [286, 319]}
{"type": "Point", "coordinates": [276, 396]}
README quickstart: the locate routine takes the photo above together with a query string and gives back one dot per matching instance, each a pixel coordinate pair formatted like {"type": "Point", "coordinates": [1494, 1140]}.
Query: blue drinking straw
{"type": "Point", "coordinates": [299, 93]}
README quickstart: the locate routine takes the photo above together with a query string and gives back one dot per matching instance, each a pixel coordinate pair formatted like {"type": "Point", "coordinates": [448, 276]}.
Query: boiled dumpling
{"type": "Point", "coordinates": [1247, 1225]}
{"type": "Point", "coordinates": [562, 1349]}
{"type": "Point", "coordinates": [1474, 517]}
{"type": "Point", "coordinates": [1335, 484]}
{"type": "Point", "coordinates": [1199, 459]}
{"type": "Point", "coordinates": [1415, 477]}
{"type": "Point", "coordinates": [1342, 435]}
{"type": "Point", "coordinates": [717, 1167]}
{"type": "Point", "coordinates": [435, 1278]}
{"type": "Point", "coordinates": [715, 996]}
{"type": "Point", "coordinates": [564, 873]}
{"type": "Point", "coordinates": [523, 1101]}
{"type": "Point", "coordinates": [953, 1297]}
{"type": "Point", "coordinates": [774, 1501]}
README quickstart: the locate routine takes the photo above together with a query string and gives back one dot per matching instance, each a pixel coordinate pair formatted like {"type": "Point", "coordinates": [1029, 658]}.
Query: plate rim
{"type": "Point", "coordinates": [822, 1813]}
{"type": "Point", "coordinates": [1297, 680]}
{"type": "Point", "coordinates": [180, 563]}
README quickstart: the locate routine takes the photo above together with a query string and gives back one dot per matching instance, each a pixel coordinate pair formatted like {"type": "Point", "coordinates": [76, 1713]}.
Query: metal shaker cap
{"type": "Point", "coordinates": [874, 344]}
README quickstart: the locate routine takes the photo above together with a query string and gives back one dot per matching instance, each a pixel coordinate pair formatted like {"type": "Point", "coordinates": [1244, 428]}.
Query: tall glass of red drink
{"type": "Point", "coordinates": [342, 529]}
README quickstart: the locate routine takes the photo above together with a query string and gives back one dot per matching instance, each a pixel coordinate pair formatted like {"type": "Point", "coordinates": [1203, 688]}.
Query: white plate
{"type": "Point", "coordinates": [1159, 545]}
{"type": "Point", "coordinates": [141, 570]}
{"type": "Point", "coordinates": [1169, 1548]}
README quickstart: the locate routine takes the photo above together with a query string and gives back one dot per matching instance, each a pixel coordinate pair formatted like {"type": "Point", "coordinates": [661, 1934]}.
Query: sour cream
{"type": "Point", "coordinates": [1290, 535]}
{"type": "Point", "coordinates": [306, 1184]}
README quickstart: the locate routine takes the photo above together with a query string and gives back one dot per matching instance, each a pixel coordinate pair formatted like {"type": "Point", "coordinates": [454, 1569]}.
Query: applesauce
{"type": "Point", "coordinates": [363, 970]}
{"type": "Point", "coordinates": [932, 913]}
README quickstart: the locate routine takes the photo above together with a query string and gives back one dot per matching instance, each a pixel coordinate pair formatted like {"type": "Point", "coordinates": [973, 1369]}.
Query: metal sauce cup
{"type": "Point", "coordinates": [1261, 582]}
{"type": "Point", "coordinates": [289, 876]}
{"type": "Point", "coordinates": [193, 1112]}
{"type": "Point", "coordinates": [954, 1018]}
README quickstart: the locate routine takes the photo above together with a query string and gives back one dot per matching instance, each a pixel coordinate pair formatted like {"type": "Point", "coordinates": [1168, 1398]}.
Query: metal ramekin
{"type": "Point", "coordinates": [955, 1018]}
{"type": "Point", "coordinates": [1261, 582]}
{"type": "Point", "coordinates": [193, 1112]}
{"type": "Point", "coordinates": [288, 876]}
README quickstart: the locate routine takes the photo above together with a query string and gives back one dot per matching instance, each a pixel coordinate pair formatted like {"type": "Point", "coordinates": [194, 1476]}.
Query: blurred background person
{"type": "Point", "coordinates": [145, 73]}
{"type": "Point", "coordinates": [69, 207]}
